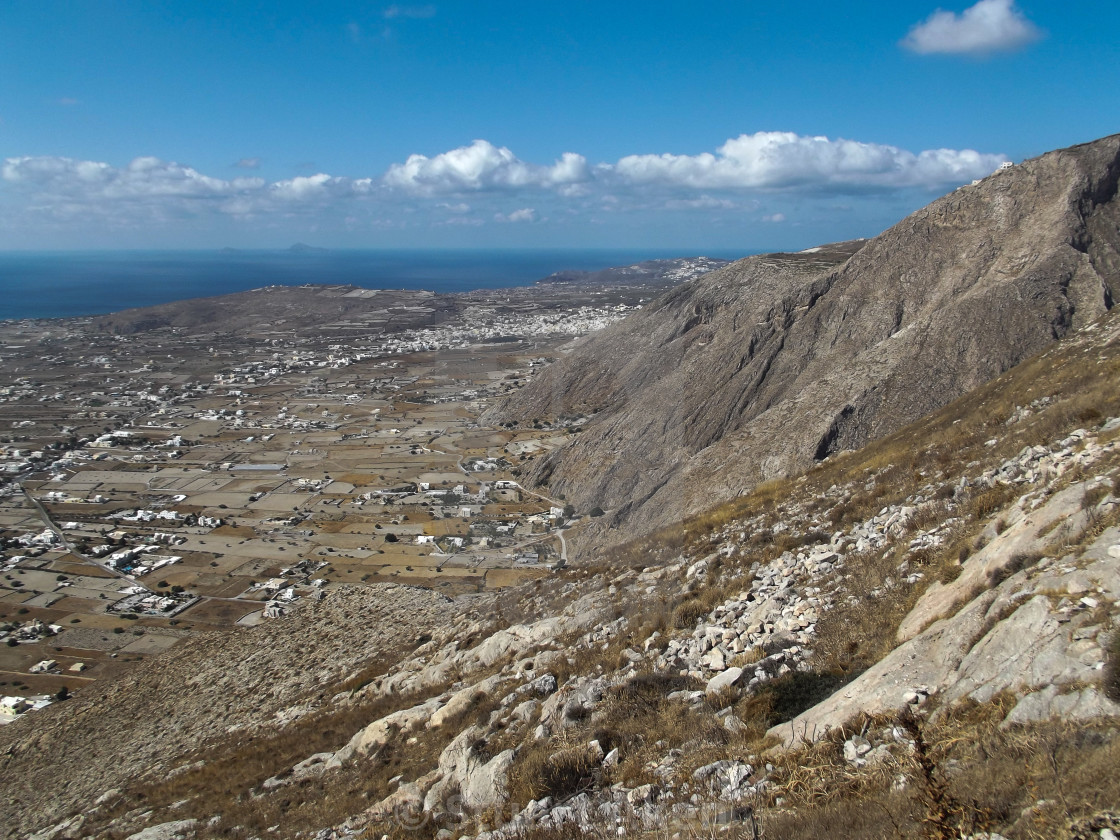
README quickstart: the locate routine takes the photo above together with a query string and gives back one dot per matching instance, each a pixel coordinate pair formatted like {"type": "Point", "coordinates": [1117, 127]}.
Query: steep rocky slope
{"type": "Point", "coordinates": [876, 648]}
{"type": "Point", "coordinates": [219, 685]}
{"type": "Point", "coordinates": [754, 371]}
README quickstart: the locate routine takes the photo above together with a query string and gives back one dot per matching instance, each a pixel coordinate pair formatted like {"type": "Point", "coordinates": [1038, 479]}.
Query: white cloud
{"type": "Point", "coordinates": [397, 11]}
{"type": "Point", "coordinates": [780, 159]}
{"type": "Point", "coordinates": [150, 190]}
{"type": "Point", "coordinates": [303, 187]}
{"type": "Point", "coordinates": [68, 101]}
{"type": "Point", "coordinates": [774, 217]}
{"type": "Point", "coordinates": [482, 166]}
{"type": "Point", "coordinates": [703, 202]}
{"type": "Point", "coordinates": [525, 214]}
{"type": "Point", "coordinates": [989, 26]}
{"type": "Point", "coordinates": [144, 177]}
{"type": "Point", "coordinates": [475, 184]}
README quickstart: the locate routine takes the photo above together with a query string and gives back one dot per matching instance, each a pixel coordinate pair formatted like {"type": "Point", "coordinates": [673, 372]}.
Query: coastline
{"type": "Point", "coordinates": [64, 284]}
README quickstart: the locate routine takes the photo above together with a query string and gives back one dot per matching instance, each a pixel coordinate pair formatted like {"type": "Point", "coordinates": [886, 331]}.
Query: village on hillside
{"type": "Point", "coordinates": [160, 483]}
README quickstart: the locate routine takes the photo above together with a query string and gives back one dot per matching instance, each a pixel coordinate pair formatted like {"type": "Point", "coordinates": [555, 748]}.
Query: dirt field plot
{"type": "Point", "coordinates": [203, 543]}
{"type": "Point", "coordinates": [484, 440]}
{"type": "Point", "coordinates": [230, 587]}
{"type": "Point", "coordinates": [173, 576]}
{"type": "Point", "coordinates": [272, 553]}
{"type": "Point", "coordinates": [37, 580]}
{"type": "Point", "coordinates": [117, 492]}
{"type": "Point", "coordinates": [70, 604]}
{"type": "Point", "coordinates": [49, 683]}
{"type": "Point", "coordinates": [221, 564]}
{"type": "Point", "coordinates": [216, 500]}
{"type": "Point", "coordinates": [12, 596]}
{"type": "Point", "coordinates": [218, 612]}
{"type": "Point", "coordinates": [92, 638]}
{"type": "Point", "coordinates": [239, 532]}
{"type": "Point", "coordinates": [280, 501]}
{"type": "Point", "coordinates": [345, 541]}
{"type": "Point", "coordinates": [43, 600]}
{"type": "Point", "coordinates": [256, 569]}
{"type": "Point", "coordinates": [416, 561]}
{"type": "Point", "coordinates": [201, 428]}
{"type": "Point", "coordinates": [151, 643]}
{"type": "Point", "coordinates": [94, 589]}
{"type": "Point", "coordinates": [498, 578]}
{"type": "Point", "coordinates": [17, 610]}
{"type": "Point", "coordinates": [68, 567]}
{"type": "Point", "coordinates": [201, 484]}
{"type": "Point", "coordinates": [21, 519]}
{"type": "Point", "coordinates": [321, 439]}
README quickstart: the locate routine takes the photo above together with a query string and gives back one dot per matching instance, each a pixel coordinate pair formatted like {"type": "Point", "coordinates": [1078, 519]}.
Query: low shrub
{"type": "Point", "coordinates": [1093, 496]}
{"type": "Point", "coordinates": [782, 699]}
{"type": "Point", "coordinates": [985, 503]}
{"type": "Point", "coordinates": [688, 613]}
{"type": "Point", "coordinates": [545, 771]}
{"type": "Point", "coordinates": [1017, 563]}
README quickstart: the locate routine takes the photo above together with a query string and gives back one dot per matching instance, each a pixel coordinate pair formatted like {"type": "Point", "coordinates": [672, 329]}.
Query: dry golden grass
{"type": "Point", "coordinates": [549, 768]}
{"type": "Point", "coordinates": [964, 774]}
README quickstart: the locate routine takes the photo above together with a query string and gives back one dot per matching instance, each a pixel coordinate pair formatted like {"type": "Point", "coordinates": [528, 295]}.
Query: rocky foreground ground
{"type": "Point", "coordinates": [921, 634]}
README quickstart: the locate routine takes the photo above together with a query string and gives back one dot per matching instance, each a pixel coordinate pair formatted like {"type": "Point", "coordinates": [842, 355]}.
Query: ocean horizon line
{"type": "Point", "coordinates": [77, 283]}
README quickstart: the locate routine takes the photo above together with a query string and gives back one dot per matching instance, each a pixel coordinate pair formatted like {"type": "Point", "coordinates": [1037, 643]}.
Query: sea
{"type": "Point", "coordinates": [63, 284]}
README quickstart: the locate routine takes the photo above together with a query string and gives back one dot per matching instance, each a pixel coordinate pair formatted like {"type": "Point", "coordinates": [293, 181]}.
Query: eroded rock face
{"type": "Point", "coordinates": [377, 734]}
{"type": "Point", "coordinates": [177, 830]}
{"type": "Point", "coordinates": [755, 370]}
{"type": "Point", "coordinates": [1022, 538]}
{"type": "Point", "coordinates": [476, 780]}
{"type": "Point", "coordinates": [1034, 634]}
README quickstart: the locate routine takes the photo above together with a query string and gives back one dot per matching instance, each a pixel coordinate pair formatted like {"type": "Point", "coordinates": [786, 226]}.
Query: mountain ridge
{"type": "Point", "coordinates": [757, 369]}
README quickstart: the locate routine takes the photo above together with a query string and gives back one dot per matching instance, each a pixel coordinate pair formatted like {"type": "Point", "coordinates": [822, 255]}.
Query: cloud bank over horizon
{"type": "Point", "coordinates": [743, 176]}
{"type": "Point", "coordinates": [782, 160]}
{"type": "Point", "coordinates": [988, 27]}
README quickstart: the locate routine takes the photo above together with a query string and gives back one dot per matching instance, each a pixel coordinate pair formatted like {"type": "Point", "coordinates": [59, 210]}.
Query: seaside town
{"type": "Point", "coordinates": [155, 483]}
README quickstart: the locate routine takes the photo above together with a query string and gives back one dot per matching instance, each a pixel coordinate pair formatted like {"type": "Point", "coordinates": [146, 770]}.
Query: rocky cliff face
{"type": "Point", "coordinates": [755, 370]}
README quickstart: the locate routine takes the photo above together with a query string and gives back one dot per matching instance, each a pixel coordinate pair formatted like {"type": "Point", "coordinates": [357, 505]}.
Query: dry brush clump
{"type": "Point", "coordinates": [555, 769]}
{"type": "Point", "coordinates": [961, 773]}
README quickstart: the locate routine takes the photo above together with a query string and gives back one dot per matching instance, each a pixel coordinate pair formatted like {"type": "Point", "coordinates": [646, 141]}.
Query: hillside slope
{"type": "Point", "coordinates": [755, 370]}
{"type": "Point", "coordinates": [917, 610]}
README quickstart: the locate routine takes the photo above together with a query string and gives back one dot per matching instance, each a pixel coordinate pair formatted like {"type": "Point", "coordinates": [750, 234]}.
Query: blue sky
{"type": "Point", "coordinates": [545, 124]}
